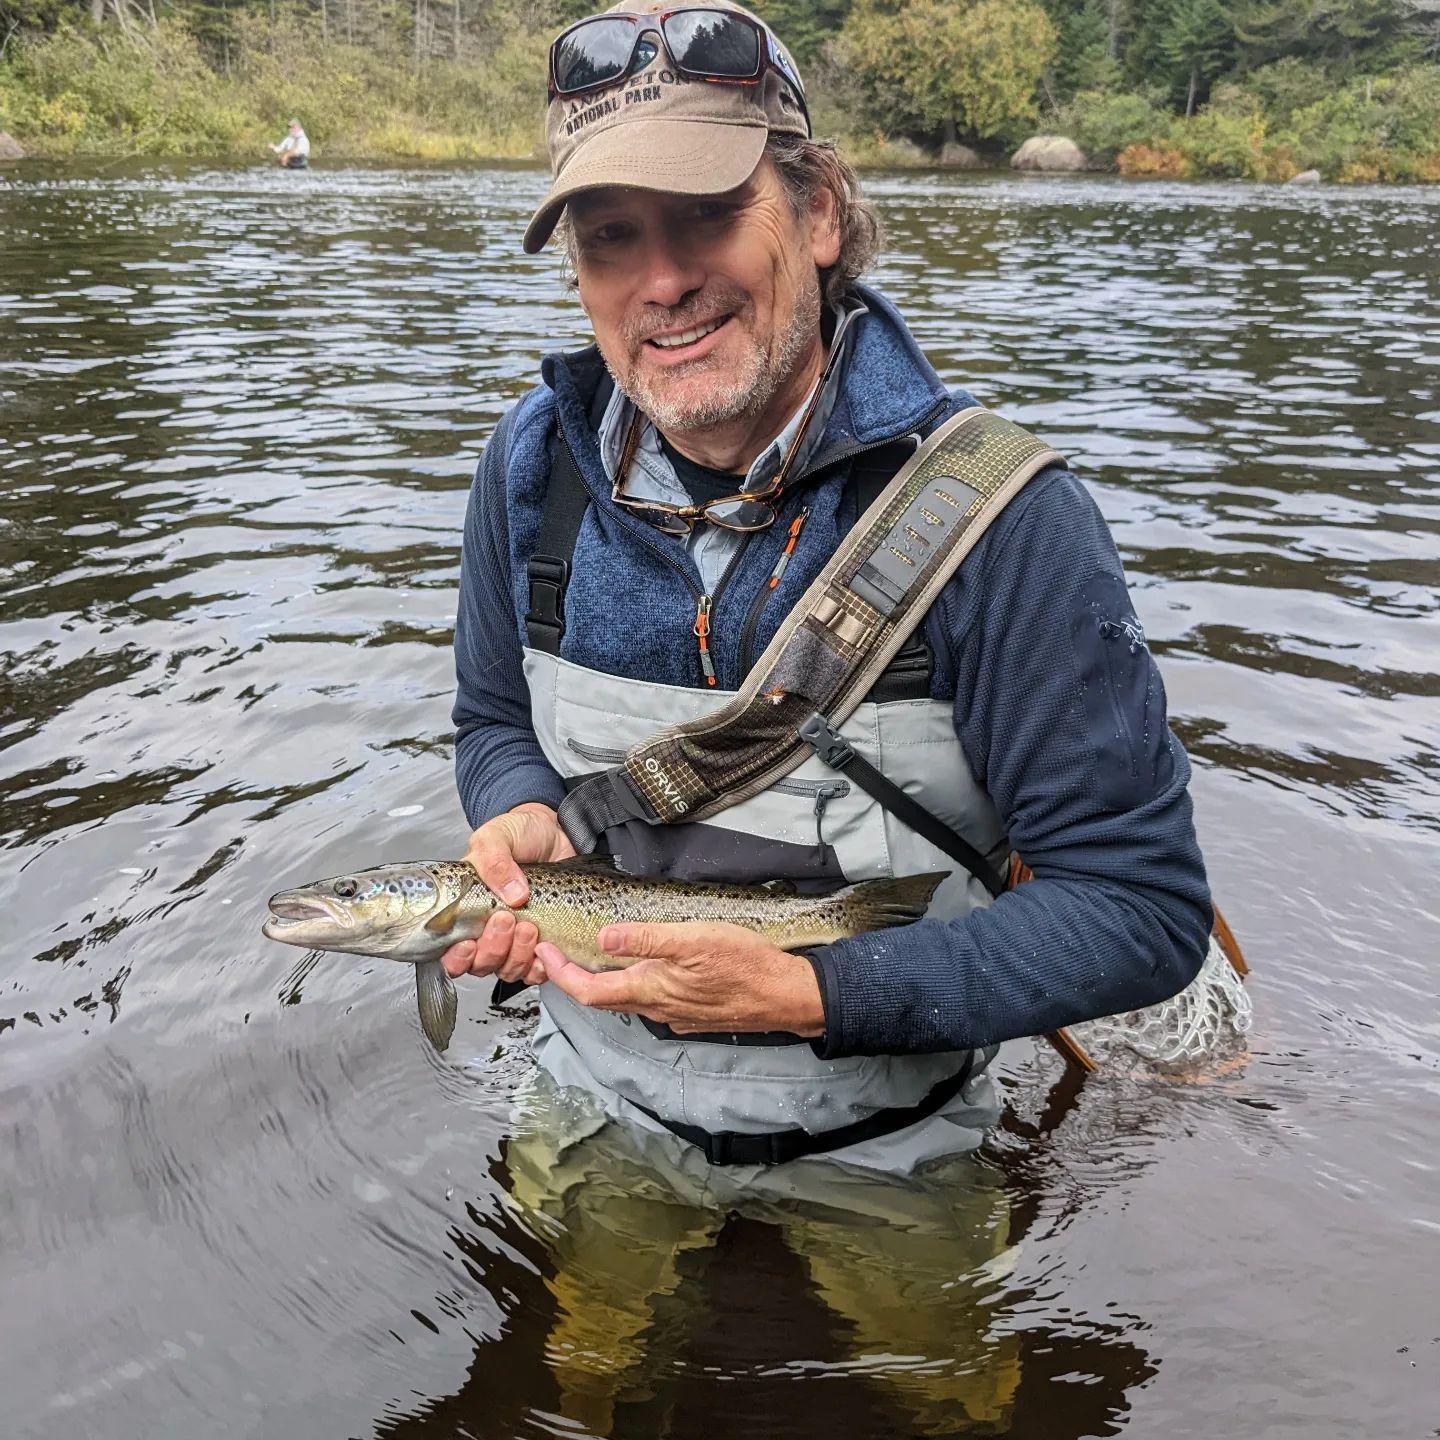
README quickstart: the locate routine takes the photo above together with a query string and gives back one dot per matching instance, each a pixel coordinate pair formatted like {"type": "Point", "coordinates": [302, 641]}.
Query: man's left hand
{"type": "Point", "coordinates": [696, 977]}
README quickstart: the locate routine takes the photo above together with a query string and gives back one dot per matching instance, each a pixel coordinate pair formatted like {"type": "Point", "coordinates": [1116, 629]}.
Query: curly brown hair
{"type": "Point", "coordinates": [805, 168]}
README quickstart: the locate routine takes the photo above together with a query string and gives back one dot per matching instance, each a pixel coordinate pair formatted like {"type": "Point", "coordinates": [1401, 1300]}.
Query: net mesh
{"type": "Point", "coordinates": [1206, 1020]}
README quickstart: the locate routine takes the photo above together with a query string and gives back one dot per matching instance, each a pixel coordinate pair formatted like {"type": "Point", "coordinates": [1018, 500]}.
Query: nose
{"type": "Point", "coordinates": [670, 268]}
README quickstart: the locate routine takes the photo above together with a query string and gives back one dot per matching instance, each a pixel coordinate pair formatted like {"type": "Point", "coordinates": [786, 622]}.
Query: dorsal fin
{"type": "Point", "coordinates": [597, 863]}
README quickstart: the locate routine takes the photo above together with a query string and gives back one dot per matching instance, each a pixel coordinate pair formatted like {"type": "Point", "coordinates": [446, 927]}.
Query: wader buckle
{"type": "Point", "coordinates": [827, 742]}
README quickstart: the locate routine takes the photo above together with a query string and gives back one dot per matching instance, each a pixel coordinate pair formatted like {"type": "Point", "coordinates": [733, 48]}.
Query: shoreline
{"type": "Point", "coordinates": [346, 159]}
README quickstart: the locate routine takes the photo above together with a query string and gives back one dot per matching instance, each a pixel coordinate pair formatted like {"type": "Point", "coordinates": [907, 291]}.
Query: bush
{"type": "Point", "coordinates": [1147, 162]}
{"type": "Point", "coordinates": [1103, 125]}
{"type": "Point", "coordinates": [1227, 137]}
{"type": "Point", "coordinates": [1383, 129]}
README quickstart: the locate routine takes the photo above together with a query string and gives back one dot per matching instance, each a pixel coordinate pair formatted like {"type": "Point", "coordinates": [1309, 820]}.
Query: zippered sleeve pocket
{"type": "Point", "coordinates": [1121, 695]}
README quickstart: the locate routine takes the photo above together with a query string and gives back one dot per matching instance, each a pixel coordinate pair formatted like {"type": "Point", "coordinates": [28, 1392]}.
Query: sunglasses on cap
{"type": "Point", "coordinates": [703, 44]}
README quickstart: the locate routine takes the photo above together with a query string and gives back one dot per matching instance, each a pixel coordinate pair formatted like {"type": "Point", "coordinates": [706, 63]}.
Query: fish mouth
{"type": "Point", "coordinates": [290, 910]}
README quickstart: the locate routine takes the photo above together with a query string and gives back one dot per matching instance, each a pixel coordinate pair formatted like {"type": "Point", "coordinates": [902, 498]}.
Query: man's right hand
{"type": "Point", "coordinates": [506, 947]}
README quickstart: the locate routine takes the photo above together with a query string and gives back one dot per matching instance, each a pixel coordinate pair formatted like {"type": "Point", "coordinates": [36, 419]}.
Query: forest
{"type": "Point", "coordinates": [1248, 89]}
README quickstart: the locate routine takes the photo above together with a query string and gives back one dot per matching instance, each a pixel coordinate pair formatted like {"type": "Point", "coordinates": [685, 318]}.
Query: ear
{"type": "Point", "coordinates": [824, 229]}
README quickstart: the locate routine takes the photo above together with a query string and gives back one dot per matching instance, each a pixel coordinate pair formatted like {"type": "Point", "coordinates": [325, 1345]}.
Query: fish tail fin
{"type": "Point", "coordinates": [435, 992]}
{"type": "Point", "coordinates": [881, 904]}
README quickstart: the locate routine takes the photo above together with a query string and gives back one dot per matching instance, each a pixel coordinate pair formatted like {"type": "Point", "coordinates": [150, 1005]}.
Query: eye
{"type": "Point", "coordinates": [610, 233]}
{"type": "Point", "coordinates": [346, 889]}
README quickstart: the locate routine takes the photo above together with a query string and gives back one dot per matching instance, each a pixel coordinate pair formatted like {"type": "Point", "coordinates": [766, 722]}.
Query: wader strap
{"type": "Point", "coordinates": [562, 514]}
{"type": "Point", "coordinates": [778, 1147]}
{"type": "Point", "coordinates": [835, 643]}
{"type": "Point", "coordinates": [839, 754]}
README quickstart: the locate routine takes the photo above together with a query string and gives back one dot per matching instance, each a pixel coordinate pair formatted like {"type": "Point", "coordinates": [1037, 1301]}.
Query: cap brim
{"type": "Point", "coordinates": [676, 157]}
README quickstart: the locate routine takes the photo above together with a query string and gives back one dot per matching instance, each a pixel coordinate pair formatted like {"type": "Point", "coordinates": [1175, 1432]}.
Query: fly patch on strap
{"type": "Point", "coordinates": [837, 640]}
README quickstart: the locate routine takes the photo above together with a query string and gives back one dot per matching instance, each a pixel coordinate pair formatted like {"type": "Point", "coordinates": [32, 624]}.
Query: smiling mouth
{"type": "Point", "coordinates": [687, 337]}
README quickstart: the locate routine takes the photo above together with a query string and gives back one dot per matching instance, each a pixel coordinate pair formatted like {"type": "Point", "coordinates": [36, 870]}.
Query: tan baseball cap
{"type": "Point", "coordinates": [658, 130]}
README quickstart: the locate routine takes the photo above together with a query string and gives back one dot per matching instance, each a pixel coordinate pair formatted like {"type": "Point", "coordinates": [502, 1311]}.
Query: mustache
{"type": "Point", "coordinates": [697, 309]}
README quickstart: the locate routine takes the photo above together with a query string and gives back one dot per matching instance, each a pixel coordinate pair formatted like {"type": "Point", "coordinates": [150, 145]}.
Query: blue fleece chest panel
{"type": "Point", "coordinates": [631, 603]}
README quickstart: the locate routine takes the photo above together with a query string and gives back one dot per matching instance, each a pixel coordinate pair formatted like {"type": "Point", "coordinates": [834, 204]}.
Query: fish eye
{"type": "Point", "coordinates": [345, 889]}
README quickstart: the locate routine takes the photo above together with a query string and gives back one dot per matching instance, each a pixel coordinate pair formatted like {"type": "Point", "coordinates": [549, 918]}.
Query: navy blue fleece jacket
{"type": "Point", "coordinates": [1057, 703]}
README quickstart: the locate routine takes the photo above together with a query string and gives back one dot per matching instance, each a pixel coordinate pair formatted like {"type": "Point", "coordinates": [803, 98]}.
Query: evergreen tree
{"type": "Point", "coordinates": [1197, 44]}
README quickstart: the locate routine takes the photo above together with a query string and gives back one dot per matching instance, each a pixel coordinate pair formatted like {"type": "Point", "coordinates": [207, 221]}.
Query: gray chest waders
{"type": "Point", "coordinates": [837, 641]}
{"type": "Point", "coordinates": [851, 634]}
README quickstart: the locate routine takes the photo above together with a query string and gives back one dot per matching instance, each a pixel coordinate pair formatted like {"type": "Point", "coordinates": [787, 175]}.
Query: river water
{"type": "Point", "coordinates": [242, 1197]}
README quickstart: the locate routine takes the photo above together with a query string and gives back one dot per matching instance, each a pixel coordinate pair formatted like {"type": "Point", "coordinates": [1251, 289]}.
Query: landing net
{"type": "Point", "coordinates": [1206, 1020]}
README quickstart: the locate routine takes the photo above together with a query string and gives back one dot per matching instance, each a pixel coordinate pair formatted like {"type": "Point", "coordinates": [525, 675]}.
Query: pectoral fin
{"type": "Point", "coordinates": [438, 1002]}
{"type": "Point", "coordinates": [443, 921]}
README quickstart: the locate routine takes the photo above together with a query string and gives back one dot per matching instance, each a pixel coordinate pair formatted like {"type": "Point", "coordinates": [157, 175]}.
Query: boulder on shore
{"type": "Point", "coordinates": [955, 156]}
{"type": "Point", "coordinates": [1305, 177]}
{"type": "Point", "coordinates": [10, 148]}
{"type": "Point", "coordinates": [1049, 152]}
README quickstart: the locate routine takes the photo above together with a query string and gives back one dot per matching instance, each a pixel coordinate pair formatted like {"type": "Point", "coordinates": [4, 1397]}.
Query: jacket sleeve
{"type": "Point", "coordinates": [498, 760]}
{"type": "Point", "coordinates": [1061, 713]}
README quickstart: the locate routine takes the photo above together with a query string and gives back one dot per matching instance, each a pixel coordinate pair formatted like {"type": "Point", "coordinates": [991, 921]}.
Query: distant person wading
{"type": "Point", "coordinates": [293, 152]}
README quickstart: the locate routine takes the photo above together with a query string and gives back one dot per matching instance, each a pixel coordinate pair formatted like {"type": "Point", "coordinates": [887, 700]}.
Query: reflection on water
{"type": "Point", "coordinates": [238, 413]}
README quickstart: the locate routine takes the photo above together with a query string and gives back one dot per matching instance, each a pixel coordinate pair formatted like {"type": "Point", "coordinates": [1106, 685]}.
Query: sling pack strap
{"type": "Point", "coordinates": [907, 676]}
{"type": "Point", "coordinates": [835, 643]}
{"type": "Point", "coordinates": [548, 573]}
{"type": "Point", "coordinates": [778, 1147]}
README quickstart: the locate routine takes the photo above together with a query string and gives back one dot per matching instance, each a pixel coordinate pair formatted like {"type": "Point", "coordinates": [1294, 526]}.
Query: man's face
{"type": "Point", "coordinates": [704, 307]}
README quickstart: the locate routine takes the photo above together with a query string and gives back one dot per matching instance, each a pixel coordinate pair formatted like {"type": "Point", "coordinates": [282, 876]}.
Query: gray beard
{"type": "Point", "coordinates": [757, 385]}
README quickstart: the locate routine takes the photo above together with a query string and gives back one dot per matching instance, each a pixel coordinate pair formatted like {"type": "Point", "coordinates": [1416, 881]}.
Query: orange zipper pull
{"type": "Point", "coordinates": [791, 540]}
{"type": "Point", "coordinates": [702, 634]}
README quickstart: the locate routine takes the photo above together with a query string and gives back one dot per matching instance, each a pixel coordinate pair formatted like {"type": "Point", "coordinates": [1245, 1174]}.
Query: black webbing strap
{"type": "Point", "coordinates": [838, 753]}
{"type": "Point", "coordinates": [563, 512]}
{"type": "Point", "coordinates": [778, 1147]}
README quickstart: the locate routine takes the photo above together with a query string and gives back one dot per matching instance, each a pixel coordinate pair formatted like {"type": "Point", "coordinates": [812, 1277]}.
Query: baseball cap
{"type": "Point", "coordinates": [659, 130]}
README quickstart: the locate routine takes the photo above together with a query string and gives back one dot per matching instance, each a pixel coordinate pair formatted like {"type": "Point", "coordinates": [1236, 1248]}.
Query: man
{"type": "Point", "coordinates": [715, 249]}
{"type": "Point", "coordinates": [293, 152]}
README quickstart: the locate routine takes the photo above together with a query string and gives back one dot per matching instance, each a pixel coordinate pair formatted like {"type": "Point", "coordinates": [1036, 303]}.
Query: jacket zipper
{"type": "Point", "coordinates": [1113, 632]}
{"type": "Point", "coordinates": [747, 632]}
{"type": "Point", "coordinates": [823, 791]}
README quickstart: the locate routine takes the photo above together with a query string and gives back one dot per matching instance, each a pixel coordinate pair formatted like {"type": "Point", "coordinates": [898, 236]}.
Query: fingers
{"type": "Point", "coordinates": [521, 960]}
{"type": "Point", "coordinates": [628, 990]}
{"type": "Point", "coordinates": [492, 854]}
{"type": "Point", "coordinates": [505, 948]}
{"type": "Point", "coordinates": [525, 834]}
{"type": "Point", "coordinates": [672, 941]}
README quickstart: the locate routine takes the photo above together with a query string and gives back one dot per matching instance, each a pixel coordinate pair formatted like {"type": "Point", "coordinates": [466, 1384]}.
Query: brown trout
{"type": "Point", "coordinates": [414, 912]}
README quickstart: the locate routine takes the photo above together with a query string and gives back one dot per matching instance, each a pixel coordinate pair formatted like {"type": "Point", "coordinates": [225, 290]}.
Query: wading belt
{"type": "Point", "coordinates": [779, 1147]}
{"type": "Point", "coordinates": [835, 643]}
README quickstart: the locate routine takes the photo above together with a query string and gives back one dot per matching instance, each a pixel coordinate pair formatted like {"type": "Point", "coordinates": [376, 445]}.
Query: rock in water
{"type": "Point", "coordinates": [1049, 152]}
{"type": "Point", "coordinates": [955, 156]}
{"type": "Point", "coordinates": [10, 148]}
{"type": "Point", "coordinates": [1305, 177]}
